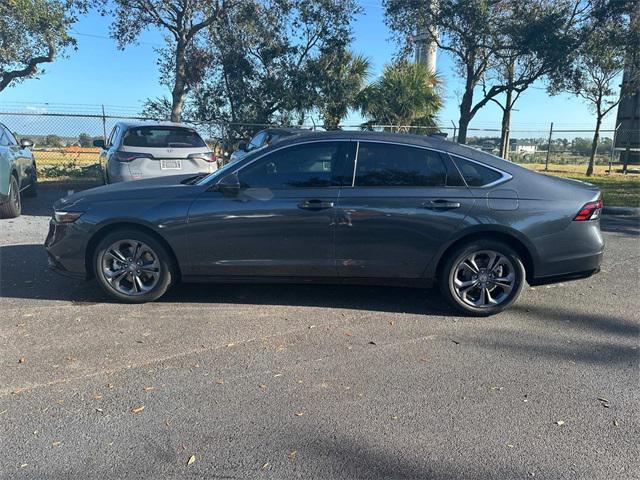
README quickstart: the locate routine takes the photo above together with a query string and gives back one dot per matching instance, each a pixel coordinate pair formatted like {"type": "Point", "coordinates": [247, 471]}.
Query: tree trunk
{"type": "Point", "coordinates": [179, 87]}
{"type": "Point", "coordinates": [506, 123]}
{"type": "Point", "coordinates": [594, 146]}
{"type": "Point", "coordinates": [465, 107]}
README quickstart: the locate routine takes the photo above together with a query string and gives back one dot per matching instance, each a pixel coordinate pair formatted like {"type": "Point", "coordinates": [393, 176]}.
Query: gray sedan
{"type": "Point", "coordinates": [346, 207]}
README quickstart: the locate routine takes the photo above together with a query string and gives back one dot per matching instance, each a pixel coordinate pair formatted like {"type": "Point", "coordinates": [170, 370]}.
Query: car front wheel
{"type": "Point", "coordinates": [133, 266]}
{"type": "Point", "coordinates": [482, 277]}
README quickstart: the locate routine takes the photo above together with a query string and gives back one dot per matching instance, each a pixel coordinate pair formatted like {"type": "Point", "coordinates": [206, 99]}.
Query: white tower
{"type": "Point", "coordinates": [425, 48]}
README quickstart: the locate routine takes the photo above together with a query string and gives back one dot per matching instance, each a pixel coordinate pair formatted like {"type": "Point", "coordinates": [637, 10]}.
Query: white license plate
{"type": "Point", "coordinates": [170, 164]}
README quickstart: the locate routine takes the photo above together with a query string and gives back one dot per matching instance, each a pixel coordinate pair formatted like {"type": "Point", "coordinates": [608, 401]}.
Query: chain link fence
{"type": "Point", "coordinates": [63, 142]}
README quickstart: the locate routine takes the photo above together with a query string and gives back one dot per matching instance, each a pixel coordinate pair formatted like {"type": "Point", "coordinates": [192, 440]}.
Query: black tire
{"type": "Point", "coordinates": [13, 206]}
{"type": "Point", "coordinates": [167, 268]}
{"type": "Point", "coordinates": [32, 190]}
{"type": "Point", "coordinates": [453, 267]}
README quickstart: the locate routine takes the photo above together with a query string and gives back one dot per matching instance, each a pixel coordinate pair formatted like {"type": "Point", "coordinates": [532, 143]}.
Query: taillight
{"type": "Point", "coordinates": [129, 156]}
{"type": "Point", "coordinates": [206, 156]}
{"type": "Point", "coordinates": [590, 211]}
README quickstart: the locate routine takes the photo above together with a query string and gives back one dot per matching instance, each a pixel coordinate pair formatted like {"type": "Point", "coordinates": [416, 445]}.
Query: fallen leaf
{"type": "Point", "coordinates": [455, 341]}
{"type": "Point", "coordinates": [292, 456]}
{"type": "Point", "coordinates": [277, 375]}
{"type": "Point", "coordinates": [3, 412]}
{"type": "Point", "coordinates": [615, 423]}
{"type": "Point", "coordinates": [560, 422]}
{"type": "Point", "coordinates": [280, 348]}
{"type": "Point", "coordinates": [195, 365]}
{"type": "Point", "coordinates": [372, 343]}
{"type": "Point", "coordinates": [311, 326]}
{"type": "Point", "coordinates": [509, 445]}
{"type": "Point", "coordinates": [137, 409]}
{"type": "Point", "coordinates": [22, 360]}
{"type": "Point", "coordinates": [605, 405]}
{"type": "Point", "coordinates": [99, 410]}
{"type": "Point", "coordinates": [265, 466]}
{"type": "Point", "coordinates": [56, 444]}
{"type": "Point", "coordinates": [348, 334]}
{"type": "Point", "coordinates": [394, 417]}
{"type": "Point", "coordinates": [263, 386]}
{"type": "Point", "coordinates": [17, 391]}
{"type": "Point", "coordinates": [24, 465]}
{"type": "Point", "coordinates": [602, 399]}
{"type": "Point", "coordinates": [230, 344]}
{"type": "Point", "coordinates": [192, 459]}
{"type": "Point", "coordinates": [220, 381]}
{"type": "Point", "coordinates": [71, 358]}
{"type": "Point", "coordinates": [423, 359]}
{"type": "Point", "coordinates": [97, 396]}
{"type": "Point", "coordinates": [299, 414]}
{"type": "Point", "coordinates": [109, 385]}
{"type": "Point", "coordinates": [392, 323]}
{"type": "Point", "coordinates": [148, 388]}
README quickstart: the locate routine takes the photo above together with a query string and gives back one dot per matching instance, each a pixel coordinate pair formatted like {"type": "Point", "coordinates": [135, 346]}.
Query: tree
{"type": "Point", "coordinates": [492, 43]}
{"type": "Point", "coordinates": [406, 95]}
{"type": "Point", "coordinates": [274, 61]}
{"type": "Point", "coordinates": [184, 22]}
{"type": "Point", "coordinates": [341, 77]}
{"type": "Point", "coordinates": [597, 67]}
{"type": "Point", "coordinates": [53, 141]}
{"type": "Point", "coordinates": [85, 140]}
{"type": "Point", "coordinates": [32, 33]}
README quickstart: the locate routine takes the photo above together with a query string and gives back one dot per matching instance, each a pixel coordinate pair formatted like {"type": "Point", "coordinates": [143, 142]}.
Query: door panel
{"type": "Point", "coordinates": [282, 223]}
{"type": "Point", "coordinates": [393, 231]}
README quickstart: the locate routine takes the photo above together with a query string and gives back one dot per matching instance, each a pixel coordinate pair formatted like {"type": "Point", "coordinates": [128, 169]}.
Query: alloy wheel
{"type": "Point", "coordinates": [131, 267]}
{"type": "Point", "coordinates": [484, 279]}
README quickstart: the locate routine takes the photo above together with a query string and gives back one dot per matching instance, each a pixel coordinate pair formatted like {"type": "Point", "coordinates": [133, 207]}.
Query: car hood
{"type": "Point", "coordinates": [151, 188]}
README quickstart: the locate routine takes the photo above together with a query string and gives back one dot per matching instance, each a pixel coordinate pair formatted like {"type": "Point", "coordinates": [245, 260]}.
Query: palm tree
{"type": "Point", "coordinates": [342, 78]}
{"type": "Point", "coordinates": [407, 95]}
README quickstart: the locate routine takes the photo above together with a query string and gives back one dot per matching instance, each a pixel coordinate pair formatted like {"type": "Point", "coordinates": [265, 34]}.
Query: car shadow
{"type": "Point", "coordinates": [24, 274]}
{"type": "Point", "coordinates": [626, 225]}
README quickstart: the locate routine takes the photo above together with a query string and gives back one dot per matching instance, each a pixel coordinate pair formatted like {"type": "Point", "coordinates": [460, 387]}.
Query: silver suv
{"type": "Point", "coordinates": [151, 149]}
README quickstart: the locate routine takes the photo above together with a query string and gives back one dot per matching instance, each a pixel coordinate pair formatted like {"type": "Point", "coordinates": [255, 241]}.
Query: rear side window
{"type": "Point", "coordinates": [162, 137]}
{"type": "Point", "coordinates": [388, 165]}
{"type": "Point", "coordinates": [310, 165]}
{"type": "Point", "coordinates": [475, 174]}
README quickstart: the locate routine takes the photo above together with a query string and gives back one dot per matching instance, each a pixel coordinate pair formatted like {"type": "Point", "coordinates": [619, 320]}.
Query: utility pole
{"type": "Point", "coordinates": [546, 164]}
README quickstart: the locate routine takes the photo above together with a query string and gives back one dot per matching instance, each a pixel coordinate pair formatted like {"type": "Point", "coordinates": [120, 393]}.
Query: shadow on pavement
{"type": "Point", "coordinates": [24, 274]}
{"type": "Point", "coordinates": [618, 224]}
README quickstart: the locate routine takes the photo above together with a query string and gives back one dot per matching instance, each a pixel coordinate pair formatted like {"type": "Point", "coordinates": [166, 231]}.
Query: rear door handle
{"type": "Point", "coordinates": [440, 204]}
{"type": "Point", "coordinates": [315, 205]}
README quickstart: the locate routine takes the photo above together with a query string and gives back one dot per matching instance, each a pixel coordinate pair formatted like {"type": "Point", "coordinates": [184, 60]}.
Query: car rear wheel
{"type": "Point", "coordinates": [133, 267]}
{"type": "Point", "coordinates": [13, 206]}
{"type": "Point", "coordinates": [483, 277]}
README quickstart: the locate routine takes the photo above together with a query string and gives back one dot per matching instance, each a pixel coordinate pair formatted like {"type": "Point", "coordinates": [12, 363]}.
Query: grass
{"type": "Point", "coordinates": [617, 189]}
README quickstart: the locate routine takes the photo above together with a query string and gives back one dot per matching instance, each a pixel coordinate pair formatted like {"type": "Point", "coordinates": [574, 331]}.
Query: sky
{"type": "Point", "coordinates": [98, 73]}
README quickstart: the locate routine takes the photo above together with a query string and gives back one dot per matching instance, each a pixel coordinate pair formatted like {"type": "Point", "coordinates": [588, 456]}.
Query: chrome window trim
{"type": "Point", "coordinates": [355, 165]}
{"type": "Point", "coordinates": [505, 177]}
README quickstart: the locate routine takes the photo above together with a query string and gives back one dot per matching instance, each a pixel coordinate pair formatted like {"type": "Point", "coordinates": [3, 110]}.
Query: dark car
{"type": "Point", "coordinates": [347, 207]}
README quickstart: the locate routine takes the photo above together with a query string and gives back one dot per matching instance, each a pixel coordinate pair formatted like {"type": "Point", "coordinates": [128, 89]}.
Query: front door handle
{"type": "Point", "coordinates": [440, 205]}
{"type": "Point", "coordinates": [315, 205]}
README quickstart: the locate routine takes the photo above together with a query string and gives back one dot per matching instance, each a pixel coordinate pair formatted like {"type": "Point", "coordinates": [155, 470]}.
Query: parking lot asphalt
{"type": "Point", "coordinates": [326, 382]}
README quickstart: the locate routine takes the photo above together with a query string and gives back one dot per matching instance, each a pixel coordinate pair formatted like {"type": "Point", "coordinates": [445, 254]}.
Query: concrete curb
{"type": "Point", "coordinates": [625, 211]}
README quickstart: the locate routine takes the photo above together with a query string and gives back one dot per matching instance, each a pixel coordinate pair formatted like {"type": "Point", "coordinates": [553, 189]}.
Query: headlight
{"type": "Point", "coordinates": [66, 217]}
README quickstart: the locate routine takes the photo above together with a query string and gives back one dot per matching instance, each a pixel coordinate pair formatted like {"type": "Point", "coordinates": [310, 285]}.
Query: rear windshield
{"type": "Point", "coordinates": [162, 137]}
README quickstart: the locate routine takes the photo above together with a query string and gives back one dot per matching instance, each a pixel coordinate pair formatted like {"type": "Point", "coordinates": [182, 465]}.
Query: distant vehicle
{"type": "Point", "coordinates": [338, 207]}
{"type": "Point", "coordinates": [18, 174]}
{"type": "Point", "coordinates": [140, 150]}
{"type": "Point", "coordinates": [262, 139]}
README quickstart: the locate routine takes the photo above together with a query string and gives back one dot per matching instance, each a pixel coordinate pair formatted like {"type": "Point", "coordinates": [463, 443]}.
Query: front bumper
{"type": "Point", "coordinates": [66, 247]}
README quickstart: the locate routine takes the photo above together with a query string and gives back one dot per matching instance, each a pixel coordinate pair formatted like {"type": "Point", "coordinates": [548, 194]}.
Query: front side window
{"type": "Point", "coordinates": [310, 165]}
{"type": "Point", "coordinates": [475, 174]}
{"type": "Point", "coordinates": [162, 137]}
{"type": "Point", "coordinates": [4, 140]}
{"type": "Point", "coordinates": [388, 165]}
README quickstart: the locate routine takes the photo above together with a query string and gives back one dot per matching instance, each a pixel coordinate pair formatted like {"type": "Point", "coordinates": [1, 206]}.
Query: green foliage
{"type": "Point", "coordinates": [278, 61]}
{"type": "Point", "coordinates": [85, 140]}
{"type": "Point", "coordinates": [33, 32]}
{"type": "Point", "coordinates": [53, 141]}
{"type": "Point", "coordinates": [407, 94]}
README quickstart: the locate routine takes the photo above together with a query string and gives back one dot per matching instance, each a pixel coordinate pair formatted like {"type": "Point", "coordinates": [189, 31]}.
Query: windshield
{"type": "Point", "coordinates": [162, 137]}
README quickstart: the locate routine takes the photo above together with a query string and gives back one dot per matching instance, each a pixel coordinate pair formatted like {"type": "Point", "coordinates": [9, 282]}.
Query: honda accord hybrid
{"type": "Point", "coordinates": [337, 207]}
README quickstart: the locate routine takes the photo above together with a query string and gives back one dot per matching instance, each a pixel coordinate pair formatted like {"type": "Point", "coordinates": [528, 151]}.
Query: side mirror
{"type": "Point", "coordinates": [99, 143]}
{"type": "Point", "coordinates": [242, 146]}
{"type": "Point", "coordinates": [26, 143]}
{"type": "Point", "coordinates": [229, 185]}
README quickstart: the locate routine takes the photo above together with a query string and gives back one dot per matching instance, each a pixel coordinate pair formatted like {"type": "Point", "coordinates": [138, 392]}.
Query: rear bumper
{"type": "Point", "coordinates": [145, 168]}
{"type": "Point", "coordinates": [572, 269]}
